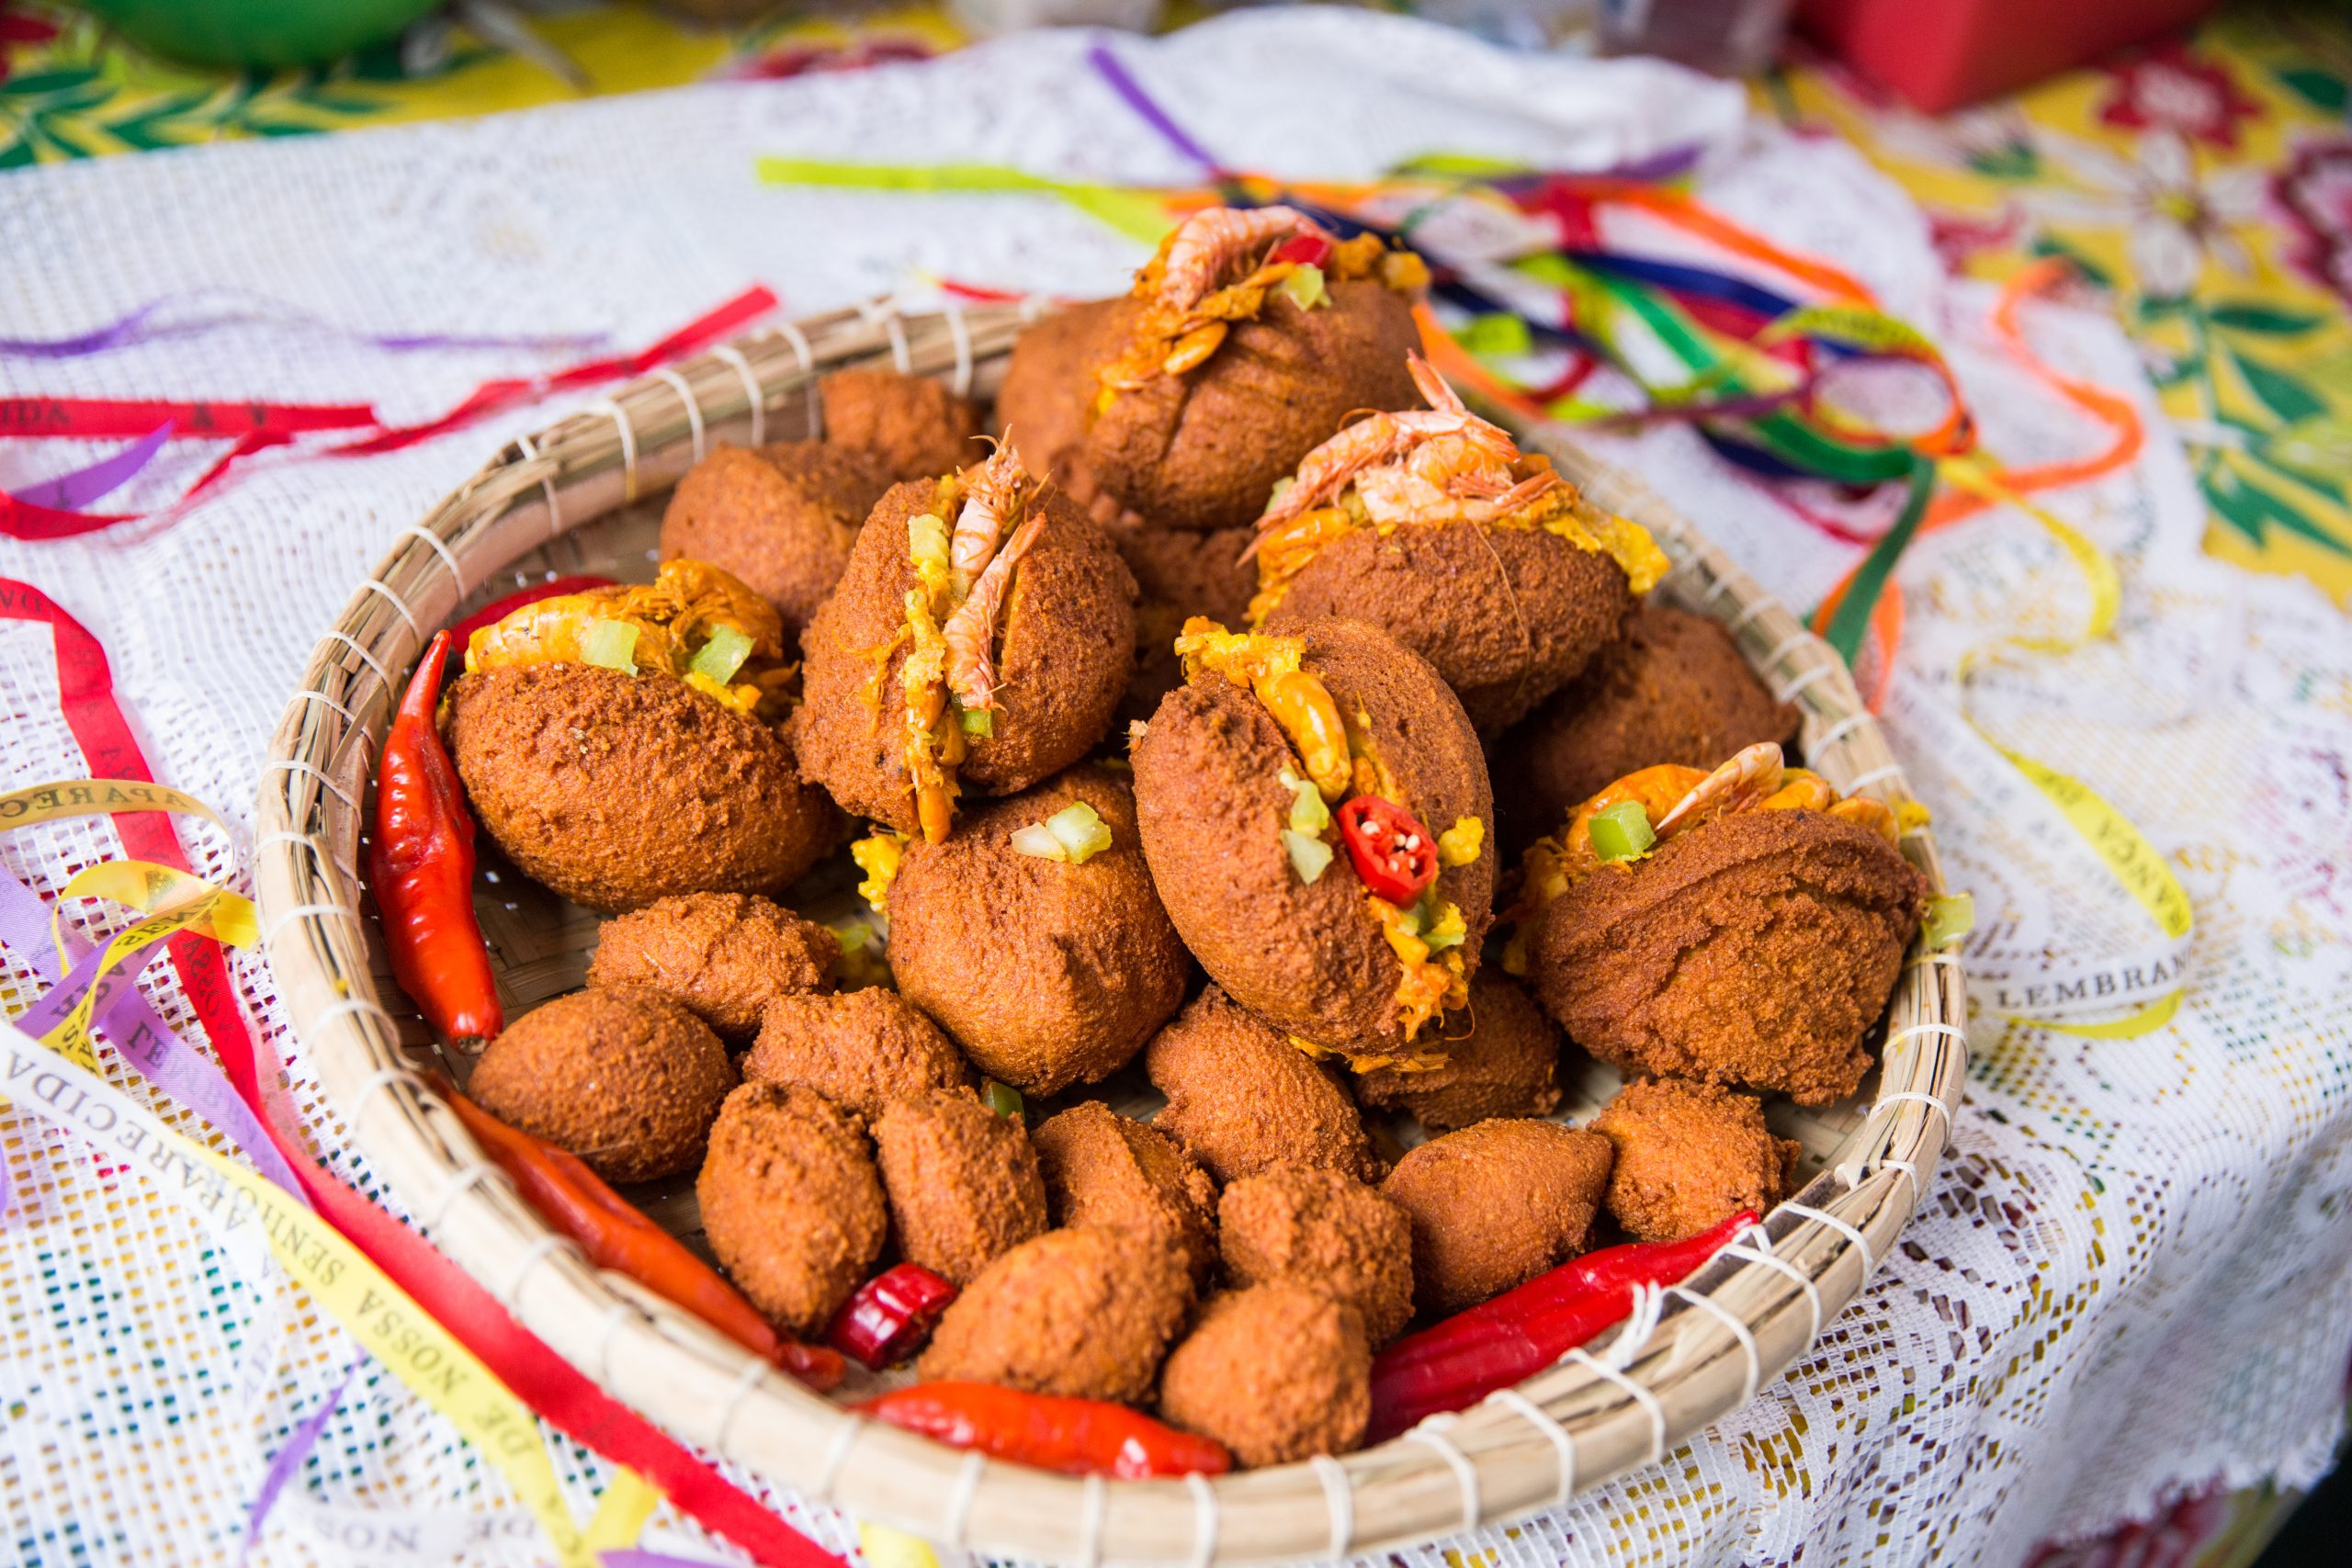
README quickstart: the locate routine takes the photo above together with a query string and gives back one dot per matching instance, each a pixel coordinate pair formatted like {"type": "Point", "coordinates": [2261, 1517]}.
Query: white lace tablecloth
{"type": "Point", "coordinates": [2129, 1280]}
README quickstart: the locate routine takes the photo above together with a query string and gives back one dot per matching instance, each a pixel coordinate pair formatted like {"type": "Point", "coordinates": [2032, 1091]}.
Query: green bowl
{"type": "Point", "coordinates": [259, 32]}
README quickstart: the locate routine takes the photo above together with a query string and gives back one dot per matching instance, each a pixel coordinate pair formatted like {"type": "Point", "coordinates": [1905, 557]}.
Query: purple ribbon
{"type": "Point", "coordinates": [73, 491]}
{"type": "Point", "coordinates": [141, 1036]}
{"type": "Point", "coordinates": [1130, 90]}
{"type": "Point", "coordinates": [287, 1460]}
{"type": "Point", "coordinates": [238, 307]}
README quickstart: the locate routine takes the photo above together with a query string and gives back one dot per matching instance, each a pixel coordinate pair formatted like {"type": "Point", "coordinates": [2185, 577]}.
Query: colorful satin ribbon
{"type": "Point", "coordinates": [51, 508]}
{"type": "Point", "coordinates": [442, 1293]}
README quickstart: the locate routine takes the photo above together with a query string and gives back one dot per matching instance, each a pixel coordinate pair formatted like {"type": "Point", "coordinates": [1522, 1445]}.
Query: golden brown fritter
{"type": "Point", "coordinates": [1507, 616]}
{"type": "Point", "coordinates": [859, 1049]}
{"type": "Point", "coordinates": [1327, 1232]}
{"type": "Point", "coordinates": [615, 790]}
{"type": "Point", "coordinates": [1690, 1156]}
{"type": "Point", "coordinates": [1048, 973]}
{"type": "Point", "coordinates": [621, 1076]}
{"type": "Point", "coordinates": [1086, 1314]}
{"type": "Point", "coordinates": [961, 1181]}
{"type": "Point", "coordinates": [1274, 1372]}
{"type": "Point", "coordinates": [1308, 958]}
{"type": "Point", "coordinates": [1119, 1174]}
{"type": "Point", "coordinates": [725, 955]}
{"type": "Point", "coordinates": [1179, 574]}
{"type": "Point", "coordinates": [1049, 381]}
{"type": "Point", "coordinates": [782, 517]}
{"type": "Point", "coordinates": [910, 427]}
{"type": "Point", "coordinates": [1674, 689]}
{"type": "Point", "coordinates": [1502, 1059]}
{"type": "Point", "coordinates": [1242, 1100]}
{"type": "Point", "coordinates": [1203, 450]}
{"type": "Point", "coordinates": [1755, 950]}
{"type": "Point", "coordinates": [1494, 1205]}
{"type": "Point", "coordinates": [1067, 643]}
{"type": "Point", "coordinates": [790, 1203]}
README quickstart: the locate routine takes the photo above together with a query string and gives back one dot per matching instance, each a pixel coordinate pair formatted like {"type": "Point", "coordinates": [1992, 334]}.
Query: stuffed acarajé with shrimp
{"type": "Point", "coordinates": [1315, 814]}
{"type": "Point", "coordinates": [979, 640]}
{"type": "Point", "coordinates": [622, 744]}
{"type": "Point", "coordinates": [1433, 525]}
{"type": "Point", "coordinates": [1250, 335]}
{"type": "Point", "coordinates": [1743, 927]}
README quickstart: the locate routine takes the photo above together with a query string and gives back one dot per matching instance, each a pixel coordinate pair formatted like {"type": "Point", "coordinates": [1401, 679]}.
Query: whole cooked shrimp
{"type": "Point", "coordinates": [1210, 241]}
{"type": "Point", "coordinates": [1383, 438]}
{"type": "Point", "coordinates": [992, 492]}
{"type": "Point", "coordinates": [970, 633]}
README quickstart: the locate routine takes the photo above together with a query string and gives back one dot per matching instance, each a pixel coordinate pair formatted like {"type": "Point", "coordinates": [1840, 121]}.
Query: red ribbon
{"type": "Point", "coordinates": [745, 308]}
{"type": "Point", "coordinates": [97, 418]}
{"type": "Point", "coordinates": [541, 1379]}
{"type": "Point", "coordinates": [254, 426]}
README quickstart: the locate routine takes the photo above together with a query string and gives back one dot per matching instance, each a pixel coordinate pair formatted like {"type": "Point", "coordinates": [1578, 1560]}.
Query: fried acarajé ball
{"type": "Point", "coordinates": [1326, 1231]}
{"type": "Point", "coordinates": [1756, 949]}
{"type": "Point", "coordinates": [961, 1181]}
{"type": "Point", "coordinates": [616, 790]}
{"type": "Point", "coordinates": [1116, 1173]}
{"type": "Point", "coordinates": [909, 427]}
{"type": "Point", "coordinates": [725, 955]}
{"type": "Point", "coordinates": [1494, 1205]}
{"type": "Point", "coordinates": [1065, 646]}
{"type": "Point", "coordinates": [1688, 1156]}
{"type": "Point", "coordinates": [1242, 1100]}
{"type": "Point", "coordinates": [1502, 1058]}
{"type": "Point", "coordinates": [791, 1203]}
{"type": "Point", "coordinates": [622, 1076]}
{"type": "Point", "coordinates": [859, 1049]}
{"type": "Point", "coordinates": [1049, 387]}
{"type": "Point", "coordinates": [1202, 450]}
{"type": "Point", "coordinates": [1508, 616]}
{"type": "Point", "coordinates": [782, 517]}
{"type": "Point", "coordinates": [1085, 1313]}
{"type": "Point", "coordinates": [1181, 575]}
{"type": "Point", "coordinates": [1275, 1372]}
{"type": "Point", "coordinates": [1310, 958]}
{"type": "Point", "coordinates": [1046, 973]}
{"type": "Point", "coordinates": [1675, 689]}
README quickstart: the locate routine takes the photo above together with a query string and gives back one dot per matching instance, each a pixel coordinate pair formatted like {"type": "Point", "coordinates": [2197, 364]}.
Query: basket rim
{"type": "Point", "coordinates": [1740, 1323]}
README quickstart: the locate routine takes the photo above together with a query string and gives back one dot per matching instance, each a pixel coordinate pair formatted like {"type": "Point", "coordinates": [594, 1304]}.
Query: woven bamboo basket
{"type": "Point", "coordinates": [574, 497]}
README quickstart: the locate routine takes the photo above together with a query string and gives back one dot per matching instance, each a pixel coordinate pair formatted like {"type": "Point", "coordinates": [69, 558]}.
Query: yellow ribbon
{"type": "Point", "coordinates": [97, 798]}
{"type": "Point", "coordinates": [1138, 215]}
{"type": "Point", "coordinates": [178, 902]}
{"type": "Point", "coordinates": [2136, 864]}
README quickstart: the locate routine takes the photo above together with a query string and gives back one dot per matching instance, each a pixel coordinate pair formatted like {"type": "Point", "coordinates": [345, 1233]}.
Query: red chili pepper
{"type": "Point", "coordinates": [890, 1315]}
{"type": "Point", "coordinates": [497, 610]}
{"type": "Point", "coordinates": [1392, 853]}
{"type": "Point", "coordinates": [1306, 249]}
{"type": "Point", "coordinates": [1076, 1437]}
{"type": "Point", "coordinates": [1455, 1364]}
{"type": "Point", "coordinates": [616, 1236]}
{"type": "Point", "coordinates": [422, 862]}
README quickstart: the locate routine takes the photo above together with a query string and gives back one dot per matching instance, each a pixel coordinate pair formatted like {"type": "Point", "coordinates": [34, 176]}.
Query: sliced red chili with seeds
{"type": "Point", "coordinates": [1394, 856]}
{"type": "Point", "coordinates": [1306, 249]}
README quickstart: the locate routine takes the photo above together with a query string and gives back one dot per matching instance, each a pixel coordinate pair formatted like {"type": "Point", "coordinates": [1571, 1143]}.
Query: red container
{"type": "Point", "coordinates": [1941, 54]}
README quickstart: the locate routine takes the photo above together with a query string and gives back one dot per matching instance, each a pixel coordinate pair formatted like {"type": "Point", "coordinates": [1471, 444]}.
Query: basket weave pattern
{"type": "Point", "coordinates": [1691, 1356]}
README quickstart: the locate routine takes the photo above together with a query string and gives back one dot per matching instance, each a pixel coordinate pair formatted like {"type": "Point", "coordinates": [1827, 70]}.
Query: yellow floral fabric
{"type": "Point", "coordinates": [2203, 186]}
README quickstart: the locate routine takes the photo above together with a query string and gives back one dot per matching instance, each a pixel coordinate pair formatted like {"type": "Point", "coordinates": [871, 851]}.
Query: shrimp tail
{"type": "Point", "coordinates": [1435, 391]}
{"type": "Point", "coordinates": [970, 633]}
